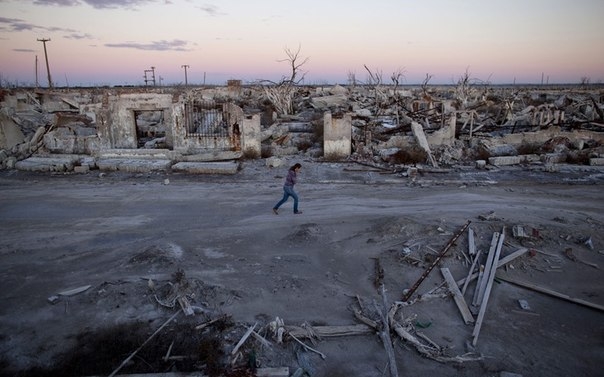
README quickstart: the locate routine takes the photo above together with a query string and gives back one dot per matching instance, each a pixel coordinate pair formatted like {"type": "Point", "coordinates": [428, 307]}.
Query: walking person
{"type": "Point", "coordinates": [288, 189]}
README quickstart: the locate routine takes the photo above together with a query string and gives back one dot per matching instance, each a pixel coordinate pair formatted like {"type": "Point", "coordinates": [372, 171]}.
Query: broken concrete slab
{"type": "Point", "coordinates": [504, 160]}
{"type": "Point", "coordinates": [213, 156]}
{"type": "Point", "coordinates": [133, 165]}
{"type": "Point", "coordinates": [206, 167]}
{"type": "Point", "coordinates": [47, 164]}
{"type": "Point", "coordinates": [135, 153]}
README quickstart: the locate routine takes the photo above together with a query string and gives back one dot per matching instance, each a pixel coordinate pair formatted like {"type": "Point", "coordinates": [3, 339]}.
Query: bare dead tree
{"type": "Point", "coordinates": [281, 93]}
{"type": "Point", "coordinates": [375, 81]}
{"type": "Point", "coordinates": [293, 59]}
{"type": "Point", "coordinates": [425, 84]}
{"type": "Point", "coordinates": [352, 80]}
{"type": "Point", "coordinates": [397, 77]}
{"type": "Point", "coordinates": [462, 89]}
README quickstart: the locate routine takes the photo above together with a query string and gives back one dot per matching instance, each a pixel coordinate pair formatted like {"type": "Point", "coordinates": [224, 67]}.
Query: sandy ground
{"type": "Point", "coordinates": [133, 238]}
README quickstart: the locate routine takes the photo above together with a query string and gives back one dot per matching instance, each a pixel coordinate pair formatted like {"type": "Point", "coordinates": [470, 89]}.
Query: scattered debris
{"type": "Point", "coordinates": [74, 291]}
{"type": "Point", "coordinates": [524, 305]}
{"type": "Point", "coordinates": [488, 217]}
{"type": "Point", "coordinates": [412, 290]}
{"type": "Point", "coordinates": [589, 243]}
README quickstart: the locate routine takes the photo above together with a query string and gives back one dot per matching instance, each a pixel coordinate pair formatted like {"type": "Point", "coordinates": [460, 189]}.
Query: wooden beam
{"type": "Point", "coordinates": [465, 284]}
{"type": "Point", "coordinates": [503, 261]}
{"type": "Point", "coordinates": [330, 331]}
{"type": "Point", "coordinates": [457, 296]}
{"type": "Point", "coordinates": [491, 277]}
{"type": "Point", "coordinates": [548, 291]}
{"type": "Point", "coordinates": [471, 244]}
{"type": "Point", "coordinates": [488, 265]}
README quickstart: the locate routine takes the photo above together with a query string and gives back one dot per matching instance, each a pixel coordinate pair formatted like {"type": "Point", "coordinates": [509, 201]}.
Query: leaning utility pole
{"type": "Point", "coordinates": [36, 71]}
{"type": "Point", "coordinates": [46, 56]}
{"type": "Point", "coordinates": [185, 66]}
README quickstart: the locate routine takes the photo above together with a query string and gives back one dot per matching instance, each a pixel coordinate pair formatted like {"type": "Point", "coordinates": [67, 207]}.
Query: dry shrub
{"type": "Point", "coordinates": [266, 151]}
{"type": "Point", "coordinates": [577, 157]}
{"type": "Point", "coordinates": [250, 154]}
{"type": "Point", "coordinates": [411, 155]}
{"type": "Point", "coordinates": [556, 144]}
{"type": "Point", "coordinates": [332, 157]}
{"type": "Point", "coordinates": [528, 148]}
{"type": "Point", "coordinates": [304, 145]}
{"type": "Point", "coordinates": [482, 153]}
{"type": "Point", "coordinates": [317, 127]}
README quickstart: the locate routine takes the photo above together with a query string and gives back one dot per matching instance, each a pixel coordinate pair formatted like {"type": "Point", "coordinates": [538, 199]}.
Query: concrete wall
{"type": "Point", "coordinates": [445, 135]}
{"type": "Point", "coordinates": [250, 135]}
{"type": "Point", "coordinates": [117, 125]}
{"type": "Point", "coordinates": [337, 136]}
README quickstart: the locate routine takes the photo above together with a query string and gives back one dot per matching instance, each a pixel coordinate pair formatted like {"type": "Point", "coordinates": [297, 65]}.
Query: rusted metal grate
{"type": "Point", "coordinates": [209, 122]}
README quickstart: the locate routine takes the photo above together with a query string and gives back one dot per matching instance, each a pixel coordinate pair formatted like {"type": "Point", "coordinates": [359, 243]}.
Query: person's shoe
{"type": "Point", "coordinates": [275, 211]}
{"type": "Point", "coordinates": [298, 213]}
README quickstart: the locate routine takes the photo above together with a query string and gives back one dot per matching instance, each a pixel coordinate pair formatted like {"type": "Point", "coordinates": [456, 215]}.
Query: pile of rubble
{"type": "Point", "coordinates": [441, 126]}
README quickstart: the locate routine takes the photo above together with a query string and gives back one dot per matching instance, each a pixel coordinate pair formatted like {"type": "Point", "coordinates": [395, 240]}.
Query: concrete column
{"type": "Point", "coordinates": [337, 135]}
{"type": "Point", "coordinates": [250, 135]}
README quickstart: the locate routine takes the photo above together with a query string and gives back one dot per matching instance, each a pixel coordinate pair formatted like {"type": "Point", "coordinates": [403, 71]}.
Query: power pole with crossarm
{"type": "Point", "coordinates": [46, 56]}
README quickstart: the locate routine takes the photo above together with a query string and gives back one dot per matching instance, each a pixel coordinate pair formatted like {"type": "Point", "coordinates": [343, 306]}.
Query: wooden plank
{"type": "Point", "coordinates": [465, 284]}
{"type": "Point", "coordinates": [488, 265]}
{"type": "Point", "coordinates": [185, 305]}
{"type": "Point", "coordinates": [471, 243]}
{"type": "Point", "coordinates": [330, 331]}
{"type": "Point", "coordinates": [74, 291]}
{"type": "Point", "coordinates": [507, 259]}
{"type": "Point", "coordinates": [480, 276]}
{"type": "Point", "coordinates": [457, 296]}
{"type": "Point", "coordinates": [503, 261]}
{"type": "Point", "coordinates": [491, 277]}
{"type": "Point", "coordinates": [243, 339]}
{"type": "Point", "coordinates": [548, 291]}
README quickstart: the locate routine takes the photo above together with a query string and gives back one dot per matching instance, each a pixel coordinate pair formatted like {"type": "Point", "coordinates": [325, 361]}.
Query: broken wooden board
{"type": "Point", "coordinates": [547, 291]}
{"type": "Point", "coordinates": [74, 291]}
{"type": "Point", "coordinates": [487, 268]}
{"type": "Point", "coordinates": [471, 243]}
{"type": "Point", "coordinates": [457, 296]}
{"type": "Point", "coordinates": [503, 261]}
{"type": "Point", "coordinates": [491, 270]}
{"type": "Point", "coordinates": [329, 331]}
{"type": "Point", "coordinates": [185, 305]}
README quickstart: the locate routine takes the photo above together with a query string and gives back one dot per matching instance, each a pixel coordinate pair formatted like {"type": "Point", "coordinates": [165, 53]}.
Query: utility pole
{"type": "Point", "coordinates": [152, 79]}
{"type": "Point", "coordinates": [185, 66]}
{"type": "Point", "coordinates": [46, 56]}
{"type": "Point", "coordinates": [153, 75]}
{"type": "Point", "coordinates": [36, 71]}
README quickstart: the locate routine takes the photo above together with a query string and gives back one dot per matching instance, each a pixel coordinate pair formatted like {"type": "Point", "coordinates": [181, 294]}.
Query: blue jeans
{"type": "Point", "coordinates": [287, 192]}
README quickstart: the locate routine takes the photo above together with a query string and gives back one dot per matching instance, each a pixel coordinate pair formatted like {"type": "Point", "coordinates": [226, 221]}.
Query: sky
{"type": "Point", "coordinates": [117, 42]}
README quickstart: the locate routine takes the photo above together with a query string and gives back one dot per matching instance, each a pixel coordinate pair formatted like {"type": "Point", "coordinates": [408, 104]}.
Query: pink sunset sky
{"type": "Point", "coordinates": [111, 42]}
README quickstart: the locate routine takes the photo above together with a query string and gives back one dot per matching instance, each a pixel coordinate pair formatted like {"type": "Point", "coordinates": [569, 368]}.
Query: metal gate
{"type": "Point", "coordinates": [211, 124]}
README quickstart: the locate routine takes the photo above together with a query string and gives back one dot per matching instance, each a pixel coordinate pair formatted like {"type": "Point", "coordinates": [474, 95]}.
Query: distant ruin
{"type": "Point", "coordinates": [393, 127]}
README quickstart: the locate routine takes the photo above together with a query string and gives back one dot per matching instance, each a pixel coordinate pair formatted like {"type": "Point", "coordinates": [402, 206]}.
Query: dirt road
{"type": "Point", "coordinates": [133, 238]}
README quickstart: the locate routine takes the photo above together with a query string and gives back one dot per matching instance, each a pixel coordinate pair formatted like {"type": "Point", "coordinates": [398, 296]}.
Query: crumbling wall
{"type": "Point", "coordinates": [337, 136]}
{"type": "Point", "coordinates": [117, 129]}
